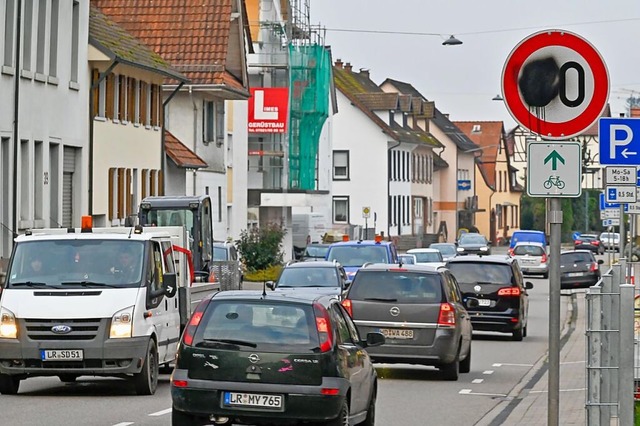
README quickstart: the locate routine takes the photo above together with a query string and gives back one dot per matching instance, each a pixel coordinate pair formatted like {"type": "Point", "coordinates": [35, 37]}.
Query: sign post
{"type": "Point", "coordinates": [556, 84]}
{"type": "Point", "coordinates": [366, 213]}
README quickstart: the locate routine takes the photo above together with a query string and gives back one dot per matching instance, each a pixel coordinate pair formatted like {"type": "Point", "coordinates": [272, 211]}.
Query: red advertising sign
{"type": "Point", "coordinates": [268, 107]}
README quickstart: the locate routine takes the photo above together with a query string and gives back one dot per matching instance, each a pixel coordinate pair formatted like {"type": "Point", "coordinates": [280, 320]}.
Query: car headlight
{"type": "Point", "coordinates": [8, 326]}
{"type": "Point", "coordinates": [484, 248]}
{"type": "Point", "coordinates": [460, 249]}
{"type": "Point", "coordinates": [122, 324]}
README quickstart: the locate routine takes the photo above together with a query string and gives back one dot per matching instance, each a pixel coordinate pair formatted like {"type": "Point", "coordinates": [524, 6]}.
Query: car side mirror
{"type": "Point", "coordinates": [528, 285]}
{"type": "Point", "coordinates": [373, 339]}
{"type": "Point", "coordinates": [170, 285]}
{"type": "Point", "coordinates": [347, 283]}
{"type": "Point", "coordinates": [600, 262]}
{"type": "Point", "coordinates": [271, 285]}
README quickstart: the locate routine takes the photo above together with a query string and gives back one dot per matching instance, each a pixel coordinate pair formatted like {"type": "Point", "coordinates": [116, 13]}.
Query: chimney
{"type": "Point", "coordinates": [339, 63]}
{"type": "Point", "coordinates": [364, 72]}
{"type": "Point", "coordinates": [348, 66]}
{"type": "Point", "coordinates": [634, 112]}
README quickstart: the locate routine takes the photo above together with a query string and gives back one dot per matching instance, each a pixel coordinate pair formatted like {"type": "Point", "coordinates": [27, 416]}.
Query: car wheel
{"type": "Point", "coordinates": [451, 371]}
{"type": "Point", "coordinates": [67, 378]}
{"type": "Point", "coordinates": [180, 418]}
{"type": "Point", "coordinates": [9, 385]}
{"type": "Point", "coordinates": [524, 331]}
{"type": "Point", "coordinates": [343, 417]}
{"type": "Point", "coordinates": [517, 335]}
{"type": "Point", "coordinates": [371, 412]}
{"type": "Point", "coordinates": [465, 364]}
{"type": "Point", "coordinates": [146, 381]}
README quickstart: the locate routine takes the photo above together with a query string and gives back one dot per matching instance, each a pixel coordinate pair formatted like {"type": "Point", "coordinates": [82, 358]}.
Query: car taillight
{"type": "Point", "coordinates": [544, 258]}
{"type": "Point", "coordinates": [323, 325]}
{"type": "Point", "coordinates": [509, 291]}
{"type": "Point", "coordinates": [447, 316]}
{"type": "Point", "coordinates": [510, 252]}
{"type": "Point", "coordinates": [187, 338]}
{"type": "Point", "coordinates": [348, 306]}
{"type": "Point", "coordinates": [594, 267]}
{"type": "Point", "coordinates": [578, 242]}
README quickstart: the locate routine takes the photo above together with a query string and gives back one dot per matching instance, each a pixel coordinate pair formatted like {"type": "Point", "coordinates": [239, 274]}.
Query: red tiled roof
{"type": "Point", "coordinates": [180, 154]}
{"type": "Point", "coordinates": [489, 138]}
{"type": "Point", "coordinates": [192, 35]}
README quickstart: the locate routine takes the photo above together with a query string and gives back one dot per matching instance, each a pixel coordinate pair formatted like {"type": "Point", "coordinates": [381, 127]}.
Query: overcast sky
{"type": "Point", "coordinates": [463, 79]}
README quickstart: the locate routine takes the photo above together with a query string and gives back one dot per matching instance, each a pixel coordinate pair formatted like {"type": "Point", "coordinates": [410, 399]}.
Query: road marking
{"type": "Point", "coordinates": [572, 362]}
{"type": "Point", "coordinates": [487, 372]}
{"type": "Point", "coordinates": [561, 390]}
{"type": "Point", "coordinates": [512, 365]}
{"type": "Point", "coordinates": [477, 381]}
{"type": "Point", "coordinates": [161, 413]}
{"type": "Point", "coordinates": [470, 392]}
{"type": "Point", "coordinates": [123, 424]}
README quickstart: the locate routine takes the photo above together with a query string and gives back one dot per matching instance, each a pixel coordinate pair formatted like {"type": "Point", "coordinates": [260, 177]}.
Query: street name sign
{"type": "Point", "coordinates": [554, 169]}
{"type": "Point", "coordinates": [555, 83]}
{"type": "Point", "coordinates": [621, 175]}
{"type": "Point", "coordinates": [619, 140]}
{"type": "Point", "coordinates": [621, 194]}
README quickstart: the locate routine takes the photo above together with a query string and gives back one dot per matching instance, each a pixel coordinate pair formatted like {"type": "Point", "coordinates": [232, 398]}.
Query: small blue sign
{"type": "Point", "coordinates": [605, 205]}
{"type": "Point", "coordinates": [464, 185]}
{"type": "Point", "coordinates": [619, 141]}
{"type": "Point", "coordinates": [575, 236]}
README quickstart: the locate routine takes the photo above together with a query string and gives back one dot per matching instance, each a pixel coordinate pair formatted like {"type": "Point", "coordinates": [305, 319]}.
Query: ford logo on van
{"type": "Point", "coordinates": [61, 329]}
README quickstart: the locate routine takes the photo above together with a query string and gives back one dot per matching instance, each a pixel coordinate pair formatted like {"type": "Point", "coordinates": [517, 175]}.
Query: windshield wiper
{"type": "Point", "coordinates": [229, 342]}
{"type": "Point", "coordinates": [28, 284]}
{"type": "Point", "coordinates": [380, 299]}
{"type": "Point", "coordinates": [89, 283]}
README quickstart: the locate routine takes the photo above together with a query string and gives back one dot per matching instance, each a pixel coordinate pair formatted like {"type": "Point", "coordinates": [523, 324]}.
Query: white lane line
{"type": "Point", "coordinates": [465, 391]}
{"type": "Point", "coordinates": [561, 390]}
{"type": "Point", "coordinates": [161, 413]}
{"type": "Point", "coordinates": [487, 372]}
{"type": "Point", "coordinates": [469, 392]}
{"type": "Point", "coordinates": [123, 424]}
{"type": "Point", "coordinates": [477, 381]}
{"type": "Point", "coordinates": [512, 365]}
{"type": "Point", "coordinates": [572, 362]}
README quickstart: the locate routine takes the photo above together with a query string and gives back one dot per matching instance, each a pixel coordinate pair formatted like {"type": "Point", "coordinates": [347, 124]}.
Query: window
{"type": "Point", "coordinates": [9, 32]}
{"type": "Point", "coordinates": [341, 209]}
{"type": "Point", "coordinates": [75, 38]}
{"type": "Point", "coordinates": [27, 30]}
{"type": "Point", "coordinates": [42, 24]}
{"type": "Point", "coordinates": [417, 208]}
{"type": "Point", "coordinates": [208, 122]}
{"type": "Point", "coordinates": [53, 39]}
{"type": "Point", "coordinates": [340, 165]}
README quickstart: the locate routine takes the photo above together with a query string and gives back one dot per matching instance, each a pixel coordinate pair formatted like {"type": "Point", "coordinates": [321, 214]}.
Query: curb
{"type": "Point", "coordinates": [501, 412]}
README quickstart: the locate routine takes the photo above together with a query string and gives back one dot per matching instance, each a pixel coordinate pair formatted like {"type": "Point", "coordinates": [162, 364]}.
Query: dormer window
{"type": "Point", "coordinates": [476, 128]}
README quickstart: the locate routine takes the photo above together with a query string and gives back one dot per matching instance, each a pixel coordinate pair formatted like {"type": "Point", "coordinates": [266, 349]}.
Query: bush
{"type": "Point", "coordinates": [261, 247]}
{"type": "Point", "coordinates": [269, 274]}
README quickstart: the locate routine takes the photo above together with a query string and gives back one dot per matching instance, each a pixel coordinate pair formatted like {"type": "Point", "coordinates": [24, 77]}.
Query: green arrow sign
{"type": "Point", "coordinates": [554, 157]}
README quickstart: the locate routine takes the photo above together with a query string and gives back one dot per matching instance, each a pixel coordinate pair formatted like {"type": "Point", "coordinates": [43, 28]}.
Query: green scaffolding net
{"type": "Point", "coordinates": [309, 85]}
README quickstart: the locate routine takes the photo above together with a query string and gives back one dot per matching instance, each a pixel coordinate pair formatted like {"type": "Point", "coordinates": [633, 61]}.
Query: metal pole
{"type": "Point", "coordinates": [555, 225]}
{"type": "Point", "coordinates": [623, 236]}
{"type": "Point", "coordinates": [614, 339]}
{"type": "Point", "coordinates": [625, 371]}
{"type": "Point", "coordinates": [594, 342]}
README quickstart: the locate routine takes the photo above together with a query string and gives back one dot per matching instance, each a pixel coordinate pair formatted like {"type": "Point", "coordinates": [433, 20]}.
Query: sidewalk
{"type": "Point", "coordinates": [527, 403]}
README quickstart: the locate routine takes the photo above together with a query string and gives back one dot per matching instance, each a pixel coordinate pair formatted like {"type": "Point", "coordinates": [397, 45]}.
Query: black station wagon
{"type": "Point", "coordinates": [253, 358]}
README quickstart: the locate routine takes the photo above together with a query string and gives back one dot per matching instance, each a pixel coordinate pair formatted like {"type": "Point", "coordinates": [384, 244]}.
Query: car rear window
{"type": "Point", "coordinates": [270, 326]}
{"type": "Point", "coordinates": [358, 255]}
{"type": "Point", "coordinates": [471, 272]}
{"type": "Point", "coordinates": [472, 239]}
{"type": "Point", "coordinates": [397, 286]}
{"type": "Point", "coordinates": [428, 257]}
{"type": "Point", "coordinates": [528, 250]}
{"type": "Point", "coordinates": [576, 258]}
{"type": "Point", "coordinates": [315, 251]}
{"type": "Point", "coordinates": [308, 277]}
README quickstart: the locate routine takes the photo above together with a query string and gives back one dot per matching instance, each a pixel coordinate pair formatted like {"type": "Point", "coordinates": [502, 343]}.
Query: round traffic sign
{"type": "Point", "coordinates": [555, 83]}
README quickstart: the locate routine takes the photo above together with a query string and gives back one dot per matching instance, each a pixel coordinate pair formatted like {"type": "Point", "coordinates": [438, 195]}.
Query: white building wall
{"type": "Point", "coordinates": [367, 146]}
{"type": "Point", "coordinates": [447, 182]}
{"type": "Point", "coordinates": [236, 147]}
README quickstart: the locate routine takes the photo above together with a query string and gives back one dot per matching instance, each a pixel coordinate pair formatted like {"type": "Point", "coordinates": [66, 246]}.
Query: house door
{"type": "Point", "coordinates": [69, 168]}
{"type": "Point", "coordinates": [418, 216]}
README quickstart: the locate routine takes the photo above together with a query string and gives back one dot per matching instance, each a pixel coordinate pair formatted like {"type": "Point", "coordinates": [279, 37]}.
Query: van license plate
{"type": "Point", "coordinates": [238, 399]}
{"type": "Point", "coordinates": [61, 355]}
{"type": "Point", "coordinates": [396, 333]}
{"type": "Point", "coordinates": [484, 302]}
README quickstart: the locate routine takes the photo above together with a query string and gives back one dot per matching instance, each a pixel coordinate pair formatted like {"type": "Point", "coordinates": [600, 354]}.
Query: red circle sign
{"type": "Point", "coordinates": [555, 83]}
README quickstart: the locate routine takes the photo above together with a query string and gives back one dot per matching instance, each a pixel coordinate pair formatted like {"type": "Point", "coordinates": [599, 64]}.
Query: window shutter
{"type": "Point", "coordinates": [143, 103]}
{"type": "Point", "coordinates": [160, 182]}
{"type": "Point", "coordinates": [131, 110]}
{"type": "Point", "coordinates": [95, 75]}
{"type": "Point", "coordinates": [122, 97]}
{"type": "Point", "coordinates": [110, 96]}
{"type": "Point", "coordinates": [154, 104]}
{"type": "Point", "coordinates": [120, 193]}
{"type": "Point", "coordinates": [129, 194]}
{"type": "Point", "coordinates": [111, 195]}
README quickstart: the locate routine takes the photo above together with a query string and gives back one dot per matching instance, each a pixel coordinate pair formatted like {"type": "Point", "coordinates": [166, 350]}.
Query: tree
{"type": "Point", "coordinates": [261, 247]}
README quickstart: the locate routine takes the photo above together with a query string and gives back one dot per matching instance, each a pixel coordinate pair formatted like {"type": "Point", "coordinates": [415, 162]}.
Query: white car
{"type": "Point", "coordinates": [427, 256]}
{"type": "Point", "coordinates": [610, 240]}
{"type": "Point", "coordinates": [532, 258]}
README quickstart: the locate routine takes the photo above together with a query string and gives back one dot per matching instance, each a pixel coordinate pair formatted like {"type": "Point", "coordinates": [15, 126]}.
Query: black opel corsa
{"type": "Point", "coordinates": [250, 357]}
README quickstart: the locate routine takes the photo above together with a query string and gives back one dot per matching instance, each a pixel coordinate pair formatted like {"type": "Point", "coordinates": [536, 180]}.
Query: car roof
{"type": "Point", "coordinates": [361, 243]}
{"type": "Point", "coordinates": [316, 264]}
{"type": "Point", "coordinates": [413, 268]}
{"type": "Point", "coordinates": [422, 250]}
{"type": "Point", "coordinates": [441, 244]}
{"type": "Point", "coordinates": [304, 298]}
{"type": "Point", "coordinates": [530, 243]}
{"type": "Point", "coordinates": [490, 258]}
{"type": "Point", "coordinates": [588, 235]}
{"type": "Point", "coordinates": [576, 251]}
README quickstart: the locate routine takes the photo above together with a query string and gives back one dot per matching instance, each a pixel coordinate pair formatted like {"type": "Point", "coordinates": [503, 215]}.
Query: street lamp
{"type": "Point", "coordinates": [451, 41]}
{"type": "Point", "coordinates": [497, 97]}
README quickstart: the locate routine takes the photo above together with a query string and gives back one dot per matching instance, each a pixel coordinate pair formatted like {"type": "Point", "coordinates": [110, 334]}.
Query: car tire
{"type": "Point", "coordinates": [180, 418]}
{"type": "Point", "coordinates": [146, 381]}
{"type": "Point", "coordinates": [465, 364]}
{"type": "Point", "coordinates": [517, 335]}
{"type": "Point", "coordinates": [165, 369]}
{"type": "Point", "coordinates": [343, 417]}
{"type": "Point", "coordinates": [67, 378]}
{"type": "Point", "coordinates": [450, 372]}
{"type": "Point", "coordinates": [371, 412]}
{"type": "Point", "coordinates": [524, 331]}
{"type": "Point", "coordinates": [9, 385]}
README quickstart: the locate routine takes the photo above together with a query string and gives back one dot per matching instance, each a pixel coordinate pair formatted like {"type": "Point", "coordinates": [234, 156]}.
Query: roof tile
{"type": "Point", "coordinates": [179, 153]}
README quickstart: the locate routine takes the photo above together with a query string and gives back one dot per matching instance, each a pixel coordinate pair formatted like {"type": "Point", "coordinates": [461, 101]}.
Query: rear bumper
{"type": "Point", "coordinates": [578, 282]}
{"type": "Point", "coordinates": [205, 398]}
{"type": "Point", "coordinates": [540, 269]}
{"type": "Point", "coordinates": [492, 321]}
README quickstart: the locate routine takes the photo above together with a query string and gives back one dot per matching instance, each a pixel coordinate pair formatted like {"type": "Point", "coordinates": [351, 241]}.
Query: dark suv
{"type": "Point", "coordinates": [420, 311]}
{"type": "Point", "coordinates": [579, 269]}
{"type": "Point", "coordinates": [494, 292]}
{"type": "Point", "coordinates": [312, 277]}
{"type": "Point", "coordinates": [253, 358]}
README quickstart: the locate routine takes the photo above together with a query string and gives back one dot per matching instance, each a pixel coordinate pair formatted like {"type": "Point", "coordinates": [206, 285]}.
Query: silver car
{"type": "Point", "coordinates": [420, 311]}
{"type": "Point", "coordinates": [532, 258]}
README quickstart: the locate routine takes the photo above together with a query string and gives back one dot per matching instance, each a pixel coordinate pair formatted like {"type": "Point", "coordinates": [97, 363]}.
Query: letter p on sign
{"type": "Point", "coordinates": [614, 130]}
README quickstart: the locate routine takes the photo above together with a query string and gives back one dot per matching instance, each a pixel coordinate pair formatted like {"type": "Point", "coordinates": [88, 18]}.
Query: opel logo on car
{"type": "Point", "coordinates": [395, 311]}
{"type": "Point", "coordinates": [254, 358]}
{"type": "Point", "coordinates": [477, 288]}
{"type": "Point", "coordinates": [61, 329]}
